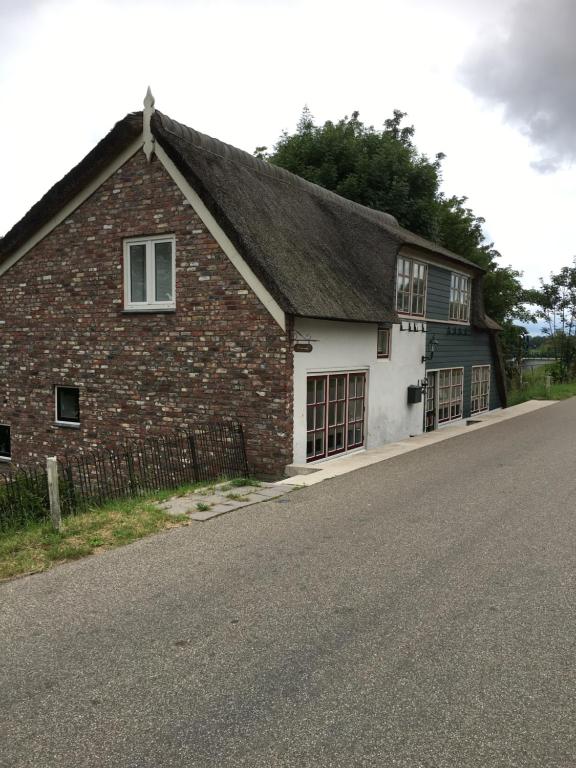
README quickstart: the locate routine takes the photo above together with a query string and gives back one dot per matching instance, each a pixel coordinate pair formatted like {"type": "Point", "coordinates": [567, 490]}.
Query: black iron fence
{"type": "Point", "coordinates": [23, 497]}
{"type": "Point", "coordinates": [190, 455]}
{"type": "Point", "coordinates": [186, 456]}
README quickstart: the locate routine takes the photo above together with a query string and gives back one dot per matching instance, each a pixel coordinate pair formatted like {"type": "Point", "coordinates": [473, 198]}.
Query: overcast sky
{"type": "Point", "coordinates": [488, 82]}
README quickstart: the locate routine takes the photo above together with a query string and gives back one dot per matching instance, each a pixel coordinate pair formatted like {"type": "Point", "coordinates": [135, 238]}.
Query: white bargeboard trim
{"type": "Point", "coordinates": [72, 205]}
{"type": "Point", "coordinates": [221, 238]}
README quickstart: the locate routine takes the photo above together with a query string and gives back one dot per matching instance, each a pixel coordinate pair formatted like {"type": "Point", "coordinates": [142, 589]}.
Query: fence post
{"type": "Point", "coordinates": [54, 491]}
{"type": "Point", "coordinates": [548, 383]}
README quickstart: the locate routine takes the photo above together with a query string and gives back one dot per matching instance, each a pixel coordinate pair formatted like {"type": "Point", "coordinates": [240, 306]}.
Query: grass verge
{"type": "Point", "coordinates": [536, 390]}
{"type": "Point", "coordinates": [37, 547]}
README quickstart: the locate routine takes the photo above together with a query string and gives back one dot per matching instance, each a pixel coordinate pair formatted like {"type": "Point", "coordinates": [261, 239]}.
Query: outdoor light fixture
{"type": "Point", "coordinates": [432, 347]}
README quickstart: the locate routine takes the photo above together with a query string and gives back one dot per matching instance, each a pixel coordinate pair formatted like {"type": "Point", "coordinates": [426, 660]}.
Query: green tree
{"type": "Point", "coordinates": [383, 169]}
{"type": "Point", "coordinates": [557, 307]}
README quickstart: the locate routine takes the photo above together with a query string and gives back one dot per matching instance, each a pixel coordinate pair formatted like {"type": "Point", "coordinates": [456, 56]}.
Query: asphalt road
{"type": "Point", "coordinates": [416, 613]}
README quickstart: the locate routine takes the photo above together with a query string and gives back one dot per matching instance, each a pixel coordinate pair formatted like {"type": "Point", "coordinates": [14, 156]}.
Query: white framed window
{"type": "Point", "coordinates": [411, 278]}
{"type": "Point", "coordinates": [5, 443]}
{"type": "Point", "coordinates": [480, 395]}
{"type": "Point", "coordinates": [383, 343]}
{"type": "Point", "coordinates": [67, 401]}
{"type": "Point", "coordinates": [459, 297]}
{"type": "Point", "coordinates": [450, 394]}
{"type": "Point", "coordinates": [150, 273]}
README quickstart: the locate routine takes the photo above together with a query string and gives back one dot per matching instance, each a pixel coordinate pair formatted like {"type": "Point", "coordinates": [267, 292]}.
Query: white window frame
{"type": "Point", "coordinates": [62, 422]}
{"type": "Point", "coordinates": [452, 401]}
{"type": "Point", "coordinates": [8, 458]}
{"type": "Point", "coordinates": [150, 305]}
{"type": "Point", "coordinates": [401, 264]}
{"type": "Point", "coordinates": [476, 390]}
{"type": "Point", "coordinates": [460, 290]}
{"type": "Point", "coordinates": [383, 329]}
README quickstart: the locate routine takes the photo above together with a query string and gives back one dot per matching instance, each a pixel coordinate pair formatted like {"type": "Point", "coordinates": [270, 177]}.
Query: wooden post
{"type": "Point", "coordinates": [548, 380]}
{"type": "Point", "coordinates": [54, 491]}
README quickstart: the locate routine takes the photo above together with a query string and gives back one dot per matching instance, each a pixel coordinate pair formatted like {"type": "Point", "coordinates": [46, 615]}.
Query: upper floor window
{"type": "Point", "coordinates": [459, 297]}
{"type": "Point", "coordinates": [383, 342]}
{"type": "Point", "coordinates": [411, 286]}
{"type": "Point", "coordinates": [149, 273]}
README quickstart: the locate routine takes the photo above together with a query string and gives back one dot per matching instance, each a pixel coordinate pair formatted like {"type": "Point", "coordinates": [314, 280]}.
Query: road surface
{"type": "Point", "coordinates": [417, 613]}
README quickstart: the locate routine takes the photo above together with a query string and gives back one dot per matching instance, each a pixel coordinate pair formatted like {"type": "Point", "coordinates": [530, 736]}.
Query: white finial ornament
{"type": "Point", "coordinates": [147, 116]}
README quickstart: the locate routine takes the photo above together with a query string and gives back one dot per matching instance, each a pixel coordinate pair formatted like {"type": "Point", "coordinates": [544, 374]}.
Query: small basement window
{"type": "Point", "coordinates": [5, 447]}
{"type": "Point", "coordinates": [149, 274]}
{"type": "Point", "coordinates": [67, 406]}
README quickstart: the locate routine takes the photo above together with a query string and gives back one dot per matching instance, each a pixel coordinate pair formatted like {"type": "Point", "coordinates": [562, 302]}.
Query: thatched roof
{"type": "Point", "coordinates": [318, 254]}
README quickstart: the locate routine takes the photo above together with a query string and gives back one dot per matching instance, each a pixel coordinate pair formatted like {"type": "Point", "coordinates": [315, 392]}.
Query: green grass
{"type": "Point", "coordinates": [534, 388]}
{"type": "Point", "coordinates": [37, 547]}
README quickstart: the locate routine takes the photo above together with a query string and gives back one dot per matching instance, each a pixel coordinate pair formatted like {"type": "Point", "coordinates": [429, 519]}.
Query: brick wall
{"type": "Point", "coordinates": [220, 354]}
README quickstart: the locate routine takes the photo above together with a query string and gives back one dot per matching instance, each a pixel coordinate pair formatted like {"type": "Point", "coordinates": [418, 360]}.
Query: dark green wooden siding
{"type": "Point", "coordinates": [438, 293]}
{"type": "Point", "coordinates": [462, 347]}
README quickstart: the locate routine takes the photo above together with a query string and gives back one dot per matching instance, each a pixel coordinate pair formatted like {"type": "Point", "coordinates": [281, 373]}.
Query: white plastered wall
{"type": "Point", "coordinates": [341, 346]}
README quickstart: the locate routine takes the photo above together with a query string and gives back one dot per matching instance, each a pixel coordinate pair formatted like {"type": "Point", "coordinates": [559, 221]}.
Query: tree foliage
{"type": "Point", "coordinates": [383, 169]}
{"type": "Point", "coordinates": [556, 300]}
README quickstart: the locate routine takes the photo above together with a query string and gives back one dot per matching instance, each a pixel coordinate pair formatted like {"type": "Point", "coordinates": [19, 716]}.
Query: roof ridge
{"type": "Point", "coordinates": [231, 153]}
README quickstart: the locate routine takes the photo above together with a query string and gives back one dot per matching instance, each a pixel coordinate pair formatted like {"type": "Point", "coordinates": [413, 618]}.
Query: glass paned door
{"type": "Point", "coordinates": [336, 414]}
{"type": "Point", "coordinates": [444, 380]}
{"type": "Point", "coordinates": [316, 417]}
{"type": "Point", "coordinates": [335, 409]}
{"type": "Point", "coordinates": [430, 412]}
{"type": "Point", "coordinates": [456, 396]}
{"type": "Point", "coordinates": [356, 410]}
{"type": "Point", "coordinates": [450, 391]}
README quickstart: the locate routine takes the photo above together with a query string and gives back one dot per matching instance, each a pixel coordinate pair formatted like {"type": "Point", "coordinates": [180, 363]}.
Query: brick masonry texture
{"type": "Point", "coordinates": [62, 322]}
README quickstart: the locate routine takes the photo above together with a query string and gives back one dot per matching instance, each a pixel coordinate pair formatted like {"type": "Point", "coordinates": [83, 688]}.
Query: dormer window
{"type": "Point", "coordinates": [149, 274]}
{"type": "Point", "coordinates": [411, 287]}
{"type": "Point", "coordinates": [459, 297]}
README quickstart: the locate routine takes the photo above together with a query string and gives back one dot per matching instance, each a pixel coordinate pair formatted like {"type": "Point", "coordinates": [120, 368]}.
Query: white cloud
{"type": "Point", "coordinates": [242, 70]}
{"type": "Point", "coordinates": [527, 65]}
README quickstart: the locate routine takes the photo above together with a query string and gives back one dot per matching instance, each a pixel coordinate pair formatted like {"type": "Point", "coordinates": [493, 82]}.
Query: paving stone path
{"type": "Point", "coordinates": [215, 500]}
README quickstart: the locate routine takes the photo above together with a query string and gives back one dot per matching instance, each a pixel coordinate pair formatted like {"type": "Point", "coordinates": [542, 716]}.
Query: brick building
{"type": "Point", "coordinates": [170, 278]}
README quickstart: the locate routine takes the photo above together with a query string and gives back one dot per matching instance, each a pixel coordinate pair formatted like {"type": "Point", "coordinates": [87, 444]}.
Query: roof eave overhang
{"type": "Point", "coordinates": [440, 258]}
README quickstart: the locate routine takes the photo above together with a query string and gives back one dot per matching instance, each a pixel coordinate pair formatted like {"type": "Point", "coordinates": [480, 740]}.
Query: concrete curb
{"type": "Point", "coordinates": [353, 461]}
